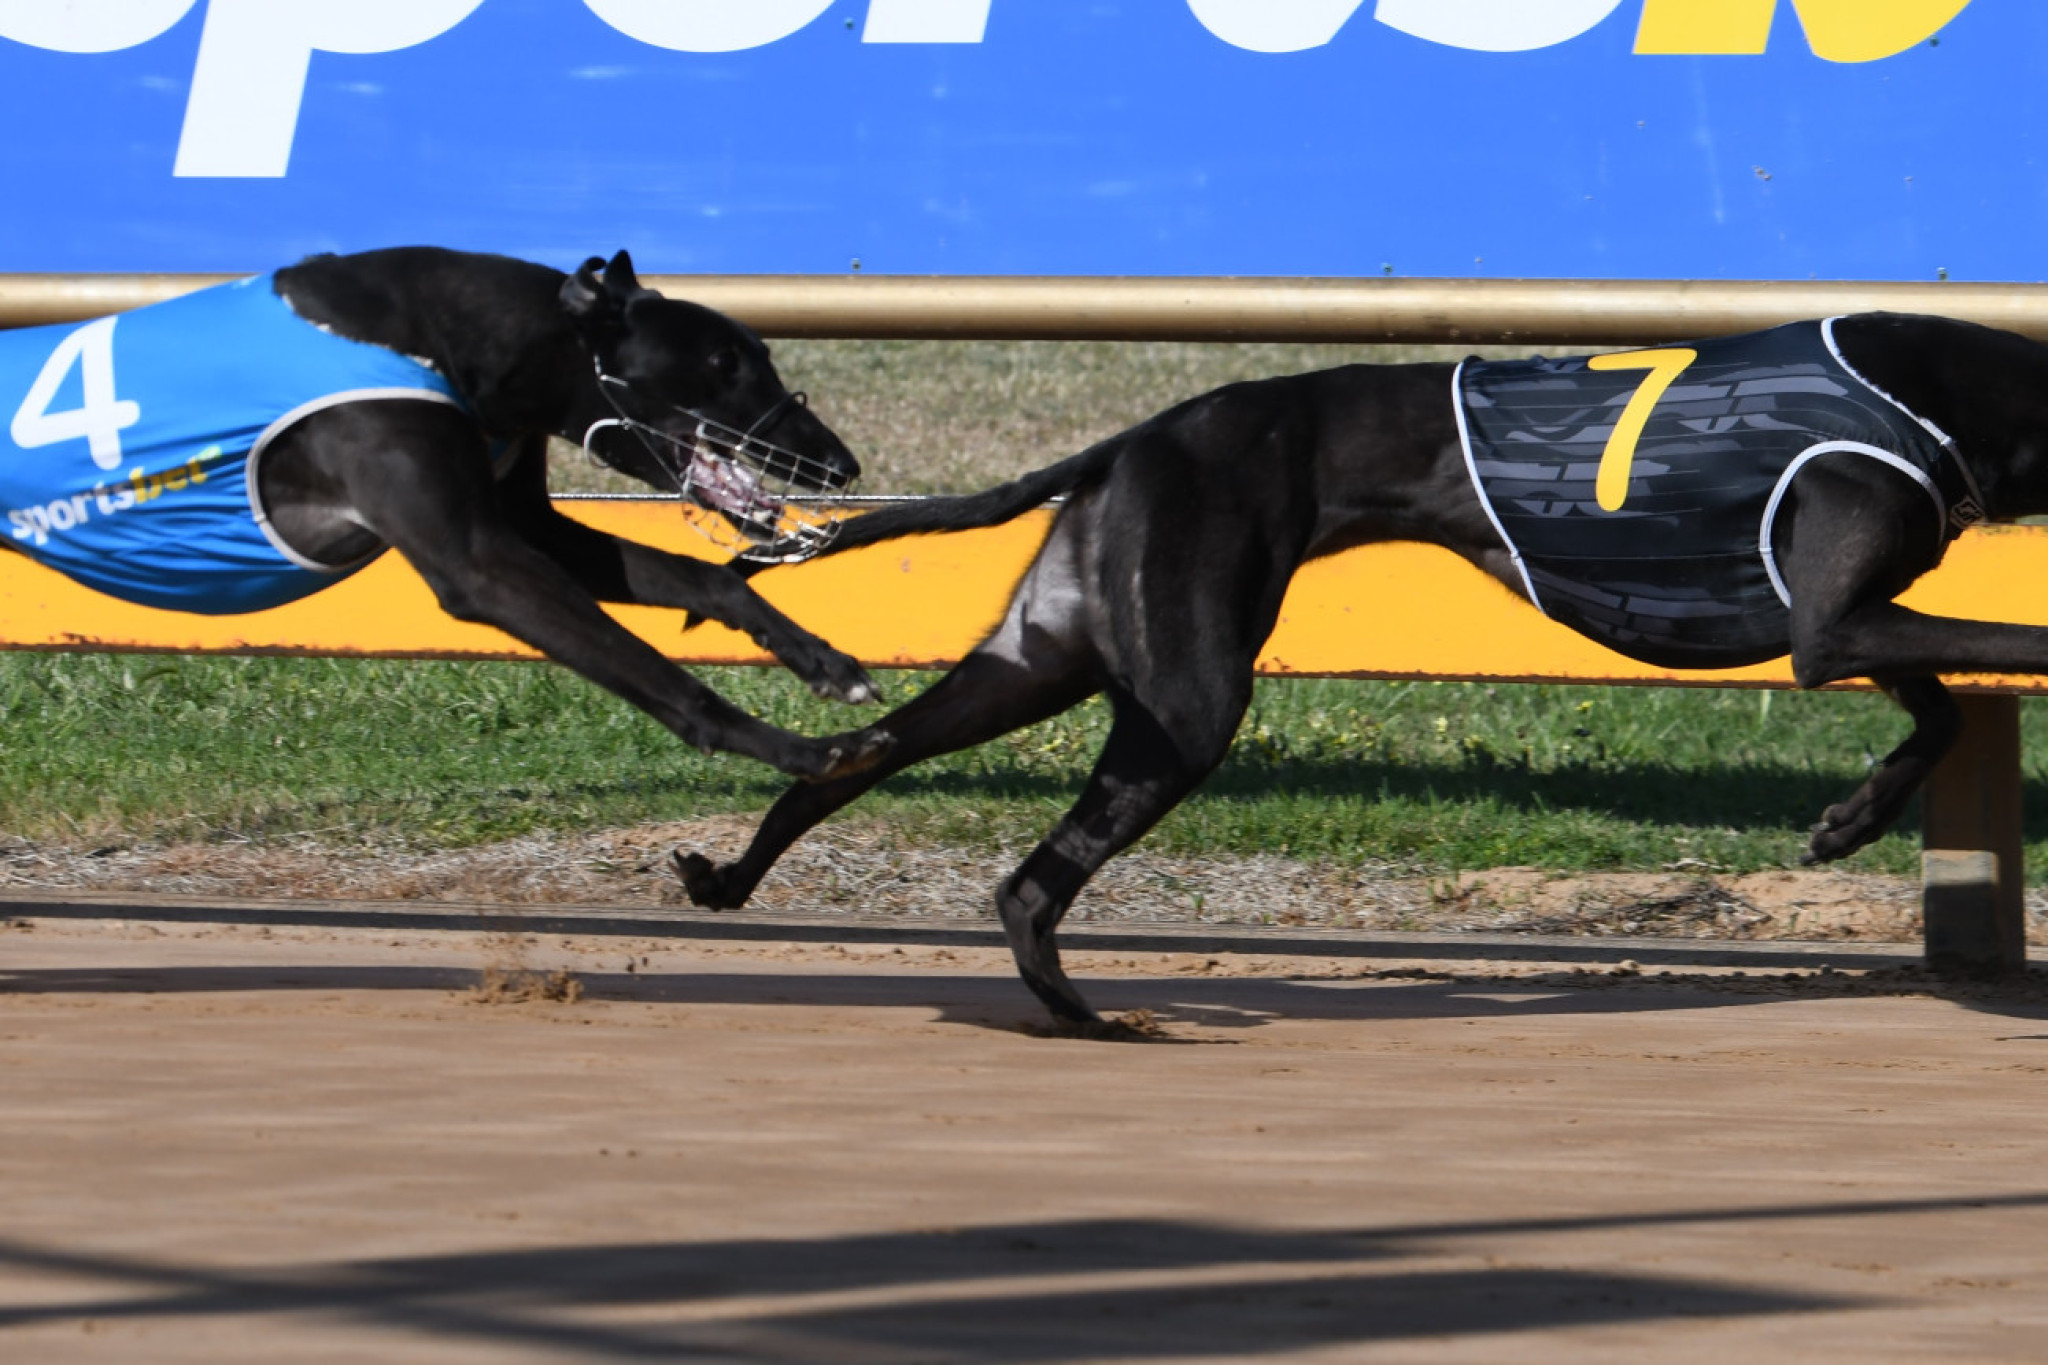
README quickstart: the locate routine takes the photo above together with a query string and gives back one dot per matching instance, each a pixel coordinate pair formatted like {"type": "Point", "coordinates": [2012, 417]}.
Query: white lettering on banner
{"type": "Point", "coordinates": [242, 114]}
{"type": "Point", "coordinates": [1274, 25]}
{"type": "Point", "coordinates": [1494, 25]}
{"type": "Point", "coordinates": [1479, 25]}
{"type": "Point", "coordinates": [88, 25]}
{"type": "Point", "coordinates": [100, 417]}
{"type": "Point", "coordinates": [707, 25]}
{"type": "Point", "coordinates": [251, 74]}
{"type": "Point", "coordinates": [926, 21]}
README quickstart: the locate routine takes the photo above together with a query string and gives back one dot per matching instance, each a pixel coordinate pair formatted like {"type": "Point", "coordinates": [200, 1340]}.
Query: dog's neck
{"type": "Point", "coordinates": [491, 324]}
{"type": "Point", "coordinates": [1985, 388]}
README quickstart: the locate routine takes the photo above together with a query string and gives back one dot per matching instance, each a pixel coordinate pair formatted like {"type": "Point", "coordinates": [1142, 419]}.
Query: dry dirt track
{"type": "Point", "coordinates": [243, 1143]}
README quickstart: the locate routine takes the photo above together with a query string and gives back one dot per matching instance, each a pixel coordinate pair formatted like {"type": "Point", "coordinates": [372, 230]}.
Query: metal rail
{"type": "Point", "coordinates": [1116, 308]}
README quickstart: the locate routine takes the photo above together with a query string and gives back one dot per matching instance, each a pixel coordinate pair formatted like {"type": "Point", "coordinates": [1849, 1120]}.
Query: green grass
{"type": "Point", "coordinates": [953, 416]}
{"type": "Point", "coordinates": [117, 749]}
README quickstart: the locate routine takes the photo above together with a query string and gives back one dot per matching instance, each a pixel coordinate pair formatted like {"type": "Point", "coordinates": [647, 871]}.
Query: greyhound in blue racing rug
{"type": "Point", "coordinates": [250, 444]}
{"type": "Point", "coordinates": [1699, 506]}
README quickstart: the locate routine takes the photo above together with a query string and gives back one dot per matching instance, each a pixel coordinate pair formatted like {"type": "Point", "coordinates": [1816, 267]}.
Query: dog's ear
{"type": "Point", "coordinates": [586, 300]}
{"type": "Point", "coordinates": [620, 279]}
{"type": "Point", "coordinates": [597, 302]}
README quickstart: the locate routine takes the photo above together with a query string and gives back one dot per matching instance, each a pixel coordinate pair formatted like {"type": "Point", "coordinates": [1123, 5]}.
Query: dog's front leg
{"type": "Point", "coordinates": [1878, 803]}
{"type": "Point", "coordinates": [1856, 534]}
{"type": "Point", "coordinates": [613, 569]}
{"type": "Point", "coordinates": [504, 582]}
{"type": "Point", "coordinates": [417, 476]}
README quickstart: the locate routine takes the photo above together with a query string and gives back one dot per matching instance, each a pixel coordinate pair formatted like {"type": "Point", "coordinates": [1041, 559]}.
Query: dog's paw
{"type": "Point", "coordinates": [1842, 830]}
{"type": "Point", "coordinates": [841, 678]}
{"type": "Point", "coordinates": [853, 752]}
{"type": "Point", "coordinates": [701, 880]}
{"type": "Point", "coordinates": [859, 692]}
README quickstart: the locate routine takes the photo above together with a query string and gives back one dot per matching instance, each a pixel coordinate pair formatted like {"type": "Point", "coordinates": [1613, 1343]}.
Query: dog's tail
{"type": "Point", "coordinates": [966, 511]}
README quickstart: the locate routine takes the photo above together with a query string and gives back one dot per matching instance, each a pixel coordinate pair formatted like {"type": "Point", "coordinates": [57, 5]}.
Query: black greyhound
{"type": "Point", "coordinates": [449, 467]}
{"type": "Point", "coordinates": [1164, 571]}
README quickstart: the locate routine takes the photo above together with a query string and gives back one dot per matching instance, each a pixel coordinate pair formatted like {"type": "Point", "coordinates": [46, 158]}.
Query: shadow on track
{"type": "Point", "coordinates": [1012, 1295]}
{"type": "Point", "coordinates": [1223, 1003]}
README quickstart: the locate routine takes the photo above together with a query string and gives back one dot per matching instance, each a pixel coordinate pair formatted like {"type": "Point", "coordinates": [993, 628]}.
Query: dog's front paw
{"type": "Point", "coordinates": [839, 677]}
{"type": "Point", "coordinates": [858, 693]}
{"type": "Point", "coordinates": [830, 673]}
{"type": "Point", "coordinates": [1843, 829]}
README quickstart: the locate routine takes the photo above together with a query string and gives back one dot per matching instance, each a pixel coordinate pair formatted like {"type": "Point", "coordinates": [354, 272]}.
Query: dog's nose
{"type": "Point", "coordinates": [822, 444]}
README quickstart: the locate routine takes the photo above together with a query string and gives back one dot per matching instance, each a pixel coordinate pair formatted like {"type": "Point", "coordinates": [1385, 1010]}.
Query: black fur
{"type": "Point", "coordinates": [518, 341]}
{"type": "Point", "coordinates": [1164, 573]}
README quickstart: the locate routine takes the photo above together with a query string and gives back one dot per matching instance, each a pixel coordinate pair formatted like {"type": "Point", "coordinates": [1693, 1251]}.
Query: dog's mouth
{"type": "Point", "coordinates": [775, 504]}
{"type": "Point", "coordinates": [727, 486]}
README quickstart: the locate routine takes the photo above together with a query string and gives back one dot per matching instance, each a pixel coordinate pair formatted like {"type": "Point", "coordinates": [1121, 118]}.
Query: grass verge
{"type": "Point", "coordinates": [954, 416]}
{"type": "Point", "coordinates": [113, 750]}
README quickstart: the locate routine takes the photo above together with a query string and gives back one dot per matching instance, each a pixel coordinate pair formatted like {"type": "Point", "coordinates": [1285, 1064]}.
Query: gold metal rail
{"type": "Point", "coordinates": [1111, 308]}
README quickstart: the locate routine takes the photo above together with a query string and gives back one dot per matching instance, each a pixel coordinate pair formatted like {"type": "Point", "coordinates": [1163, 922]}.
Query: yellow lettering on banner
{"type": "Point", "coordinates": [1732, 28]}
{"type": "Point", "coordinates": [1837, 30]}
{"type": "Point", "coordinates": [1867, 30]}
{"type": "Point", "coordinates": [1610, 487]}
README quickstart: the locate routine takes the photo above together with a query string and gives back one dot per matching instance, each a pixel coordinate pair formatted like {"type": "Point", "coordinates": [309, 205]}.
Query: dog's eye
{"type": "Point", "coordinates": [725, 360]}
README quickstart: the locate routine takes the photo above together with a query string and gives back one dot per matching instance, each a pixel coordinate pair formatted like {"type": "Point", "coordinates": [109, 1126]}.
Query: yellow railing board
{"type": "Point", "coordinates": [1416, 611]}
{"type": "Point", "coordinates": [914, 603]}
{"type": "Point", "coordinates": [1400, 611]}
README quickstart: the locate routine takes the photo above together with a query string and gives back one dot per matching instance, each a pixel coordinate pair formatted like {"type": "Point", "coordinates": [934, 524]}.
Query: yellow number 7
{"type": "Point", "coordinates": [1610, 488]}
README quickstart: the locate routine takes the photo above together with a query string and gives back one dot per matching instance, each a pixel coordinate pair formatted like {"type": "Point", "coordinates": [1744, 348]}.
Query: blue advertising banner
{"type": "Point", "coordinates": [1862, 139]}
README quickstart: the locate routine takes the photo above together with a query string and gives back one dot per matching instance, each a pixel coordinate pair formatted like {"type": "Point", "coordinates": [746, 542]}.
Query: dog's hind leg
{"type": "Point", "coordinates": [1154, 758]}
{"type": "Point", "coordinates": [984, 696]}
{"type": "Point", "coordinates": [1038, 662]}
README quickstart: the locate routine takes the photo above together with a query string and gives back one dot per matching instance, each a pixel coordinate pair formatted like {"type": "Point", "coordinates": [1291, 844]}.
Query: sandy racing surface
{"type": "Point", "coordinates": [257, 1142]}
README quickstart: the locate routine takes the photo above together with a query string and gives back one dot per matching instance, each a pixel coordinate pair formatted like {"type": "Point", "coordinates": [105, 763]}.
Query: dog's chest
{"type": "Point", "coordinates": [1637, 490]}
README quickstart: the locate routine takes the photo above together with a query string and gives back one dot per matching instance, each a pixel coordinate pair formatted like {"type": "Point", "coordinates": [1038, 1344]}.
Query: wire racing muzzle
{"type": "Point", "coordinates": [776, 505]}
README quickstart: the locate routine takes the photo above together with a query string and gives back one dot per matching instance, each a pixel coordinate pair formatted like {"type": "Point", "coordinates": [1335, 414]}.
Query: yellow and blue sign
{"type": "Point", "coordinates": [1866, 139]}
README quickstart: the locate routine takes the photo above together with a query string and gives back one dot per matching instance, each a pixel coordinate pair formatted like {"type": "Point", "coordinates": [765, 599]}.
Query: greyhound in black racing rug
{"type": "Point", "coordinates": [250, 444]}
{"type": "Point", "coordinates": [1703, 506]}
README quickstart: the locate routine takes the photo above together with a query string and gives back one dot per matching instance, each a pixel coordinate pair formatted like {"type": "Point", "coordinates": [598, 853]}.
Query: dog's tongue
{"type": "Point", "coordinates": [730, 488]}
